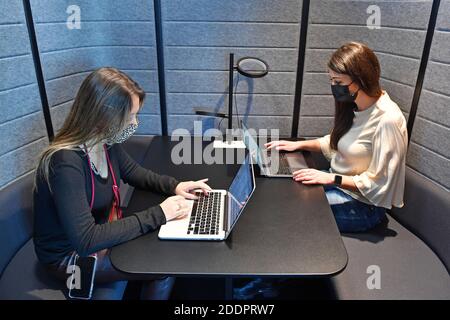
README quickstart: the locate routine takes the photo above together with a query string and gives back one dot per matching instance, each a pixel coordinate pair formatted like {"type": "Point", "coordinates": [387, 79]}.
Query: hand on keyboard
{"type": "Point", "coordinates": [186, 188]}
{"type": "Point", "coordinates": [175, 207]}
{"type": "Point", "coordinates": [282, 145]}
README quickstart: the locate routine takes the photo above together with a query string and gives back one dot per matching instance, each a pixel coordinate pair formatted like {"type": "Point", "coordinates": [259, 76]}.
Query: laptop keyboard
{"type": "Point", "coordinates": [283, 165]}
{"type": "Point", "coordinates": [205, 214]}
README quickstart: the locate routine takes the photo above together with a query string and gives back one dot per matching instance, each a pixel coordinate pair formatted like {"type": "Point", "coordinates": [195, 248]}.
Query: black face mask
{"type": "Point", "coordinates": [342, 94]}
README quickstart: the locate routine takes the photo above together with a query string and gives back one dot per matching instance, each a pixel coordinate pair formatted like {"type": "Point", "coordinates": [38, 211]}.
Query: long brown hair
{"type": "Point", "coordinates": [360, 63]}
{"type": "Point", "coordinates": [101, 109]}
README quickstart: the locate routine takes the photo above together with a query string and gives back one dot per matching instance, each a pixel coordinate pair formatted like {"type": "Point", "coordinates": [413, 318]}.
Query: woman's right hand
{"type": "Point", "coordinates": [283, 145]}
{"type": "Point", "coordinates": [175, 207]}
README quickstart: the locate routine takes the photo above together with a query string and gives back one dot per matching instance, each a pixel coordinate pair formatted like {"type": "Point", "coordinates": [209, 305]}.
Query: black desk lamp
{"type": "Point", "coordinates": [249, 67]}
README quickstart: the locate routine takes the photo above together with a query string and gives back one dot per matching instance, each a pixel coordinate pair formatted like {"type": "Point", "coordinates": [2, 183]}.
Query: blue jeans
{"type": "Point", "coordinates": [352, 215]}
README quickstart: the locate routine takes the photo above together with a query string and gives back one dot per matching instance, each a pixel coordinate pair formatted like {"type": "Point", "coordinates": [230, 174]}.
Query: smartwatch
{"type": "Point", "coordinates": [337, 179]}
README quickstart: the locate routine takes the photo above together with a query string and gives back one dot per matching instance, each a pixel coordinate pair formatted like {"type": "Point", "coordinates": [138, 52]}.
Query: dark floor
{"type": "Point", "coordinates": [214, 289]}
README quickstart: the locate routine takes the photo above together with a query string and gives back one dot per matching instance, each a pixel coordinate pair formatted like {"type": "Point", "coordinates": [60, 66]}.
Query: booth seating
{"type": "Point", "coordinates": [410, 250]}
{"type": "Point", "coordinates": [22, 277]}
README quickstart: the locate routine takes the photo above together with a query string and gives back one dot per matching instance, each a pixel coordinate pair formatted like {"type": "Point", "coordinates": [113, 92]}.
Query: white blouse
{"type": "Point", "coordinates": [373, 152]}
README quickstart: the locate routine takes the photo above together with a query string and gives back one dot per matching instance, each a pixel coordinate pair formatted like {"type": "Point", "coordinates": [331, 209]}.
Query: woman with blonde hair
{"type": "Point", "coordinates": [76, 196]}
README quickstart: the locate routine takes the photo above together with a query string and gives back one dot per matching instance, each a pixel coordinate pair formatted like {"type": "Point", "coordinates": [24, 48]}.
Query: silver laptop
{"type": "Point", "coordinates": [273, 163]}
{"type": "Point", "coordinates": [213, 217]}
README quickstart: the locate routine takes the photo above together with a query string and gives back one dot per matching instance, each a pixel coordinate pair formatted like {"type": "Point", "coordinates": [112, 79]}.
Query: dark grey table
{"type": "Point", "coordinates": [286, 230]}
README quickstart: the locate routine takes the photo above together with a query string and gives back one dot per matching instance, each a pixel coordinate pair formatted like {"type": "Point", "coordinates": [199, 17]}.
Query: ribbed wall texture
{"type": "Point", "coordinates": [398, 45]}
{"type": "Point", "coordinates": [22, 128]}
{"type": "Point", "coordinates": [429, 150]}
{"type": "Point", "coordinates": [198, 37]}
{"type": "Point", "coordinates": [117, 33]}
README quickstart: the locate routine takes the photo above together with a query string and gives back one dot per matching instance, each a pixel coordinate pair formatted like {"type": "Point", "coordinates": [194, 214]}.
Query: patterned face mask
{"type": "Point", "coordinates": [123, 135]}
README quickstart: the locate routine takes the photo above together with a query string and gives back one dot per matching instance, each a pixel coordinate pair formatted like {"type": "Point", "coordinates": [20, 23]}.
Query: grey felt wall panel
{"type": "Point", "coordinates": [19, 102]}
{"type": "Point", "coordinates": [21, 131]}
{"type": "Point", "coordinates": [98, 10]}
{"type": "Point", "coordinates": [245, 34]}
{"type": "Point", "coordinates": [118, 34]}
{"type": "Point", "coordinates": [232, 10]}
{"type": "Point", "coordinates": [198, 37]}
{"type": "Point", "coordinates": [12, 67]}
{"type": "Point", "coordinates": [441, 46]}
{"type": "Point", "coordinates": [214, 81]}
{"type": "Point", "coordinates": [21, 161]}
{"type": "Point", "coordinates": [185, 122]}
{"type": "Point", "coordinates": [11, 12]}
{"type": "Point", "coordinates": [213, 58]}
{"type": "Point", "coordinates": [432, 135]}
{"type": "Point", "coordinates": [56, 36]}
{"type": "Point", "coordinates": [434, 107]}
{"type": "Point", "coordinates": [394, 13]}
{"type": "Point", "coordinates": [398, 45]}
{"type": "Point", "coordinates": [400, 93]}
{"type": "Point", "coordinates": [16, 36]}
{"type": "Point", "coordinates": [430, 164]}
{"type": "Point", "coordinates": [429, 151]}
{"type": "Point", "coordinates": [389, 40]}
{"type": "Point", "coordinates": [85, 59]}
{"type": "Point", "coordinates": [443, 20]}
{"type": "Point", "coordinates": [437, 76]}
{"type": "Point", "coordinates": [312, 126]}
{"type": "Point", "coordinates": [22, 128]}
{"type": "Point", "coordinates": [183, 103]}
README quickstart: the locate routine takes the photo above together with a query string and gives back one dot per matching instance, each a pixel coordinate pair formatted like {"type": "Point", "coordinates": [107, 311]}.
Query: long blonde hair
{"type": "Point", "coordinates": [101, 109]}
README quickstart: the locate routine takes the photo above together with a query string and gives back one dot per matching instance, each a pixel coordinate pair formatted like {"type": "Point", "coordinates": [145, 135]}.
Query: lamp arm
{"type": "Point", "coordinates": [204, 112]}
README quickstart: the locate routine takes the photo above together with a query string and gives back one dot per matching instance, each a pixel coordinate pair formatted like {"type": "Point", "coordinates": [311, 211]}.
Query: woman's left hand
{"type": "Point", "coordinates": [313, 176]}
{"type": "Point", "coordinates": [186, 188]}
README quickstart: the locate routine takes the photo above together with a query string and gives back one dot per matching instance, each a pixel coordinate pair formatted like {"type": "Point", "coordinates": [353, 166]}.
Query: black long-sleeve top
{"type": "Point", "coordinates": [63, 220]}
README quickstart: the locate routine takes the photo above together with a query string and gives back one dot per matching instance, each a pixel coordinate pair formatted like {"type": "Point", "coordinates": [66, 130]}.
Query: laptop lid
{"type": "Point", "coordinates": [240, 191]}
{"type": "Point", "coordinates": [253, 147]}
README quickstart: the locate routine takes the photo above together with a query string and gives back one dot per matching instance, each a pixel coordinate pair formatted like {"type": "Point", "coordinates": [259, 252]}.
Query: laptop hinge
{"type": "Point", "coordinates": [225, 213]}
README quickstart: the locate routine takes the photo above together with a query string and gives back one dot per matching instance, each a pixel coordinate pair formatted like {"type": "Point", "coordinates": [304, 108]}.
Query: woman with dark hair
{"type": "Point", "coordinates": [76, 198]}
{"type": "Point", "coordinates": [366, 149]}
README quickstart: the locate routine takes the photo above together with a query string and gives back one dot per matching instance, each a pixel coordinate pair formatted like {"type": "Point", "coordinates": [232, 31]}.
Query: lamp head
{"type": "Point", "coordinates": [252, 67]}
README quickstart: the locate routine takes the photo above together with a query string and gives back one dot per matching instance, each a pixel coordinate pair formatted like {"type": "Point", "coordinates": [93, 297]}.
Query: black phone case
{"type": "Point", "coordinates": [86, 267]}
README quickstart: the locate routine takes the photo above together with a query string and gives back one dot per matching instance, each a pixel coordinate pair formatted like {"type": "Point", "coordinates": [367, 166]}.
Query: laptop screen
{"type": "Point", "coordinates": [241, 189]}
{"type": "Point", "coordinates": [252, 146]}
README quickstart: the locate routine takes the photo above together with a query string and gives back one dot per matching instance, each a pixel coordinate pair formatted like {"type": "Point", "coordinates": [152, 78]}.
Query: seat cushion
{"type": "Point", "coordinates": [26, 279]}
{"type": "Point", "coordinates": [136, 147]}
{"type": "Point", "coordinates": [426, 213]}
{"type": "Point", "coordinates": [21, 276]}
{"type": "Point", "coordinates": [408, 268]}
{"type": "Point", "coordinates": [16, 218]}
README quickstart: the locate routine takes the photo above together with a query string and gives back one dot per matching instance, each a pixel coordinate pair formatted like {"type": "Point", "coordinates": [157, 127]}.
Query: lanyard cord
{"type": "Point", "coordinates": [92, 179]}
{"type": "Point", "coordinates": [115, 186]}
{"type": "Point", "coordinates": [110, 166]}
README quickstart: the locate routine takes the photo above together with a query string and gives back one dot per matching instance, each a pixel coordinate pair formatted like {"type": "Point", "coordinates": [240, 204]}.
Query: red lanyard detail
{"type": "Point", "coordinates": [115, 188]}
